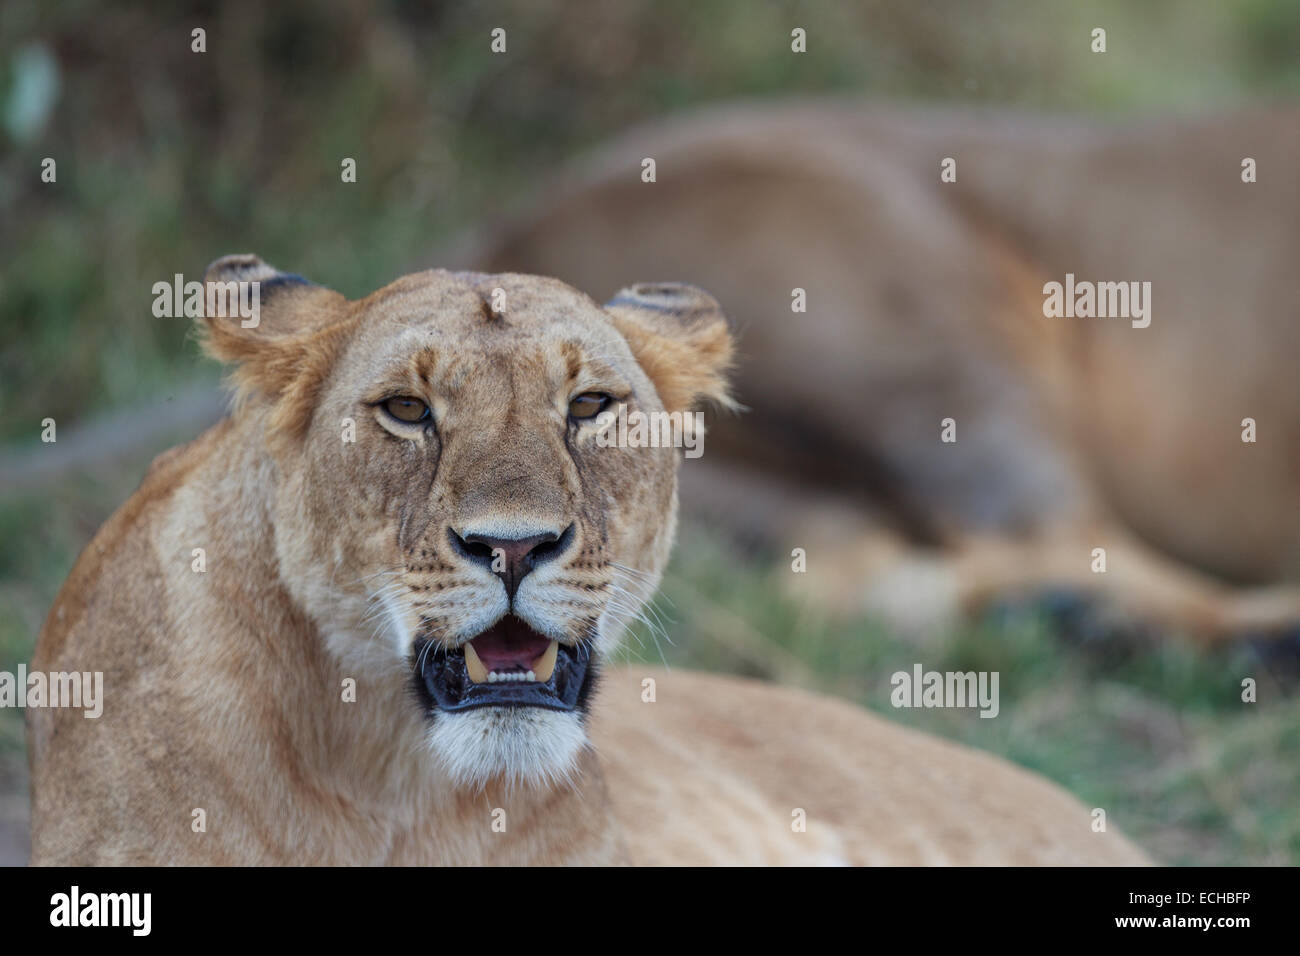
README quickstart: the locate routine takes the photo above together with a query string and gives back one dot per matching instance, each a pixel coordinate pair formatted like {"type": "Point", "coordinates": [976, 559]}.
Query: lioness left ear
{"type": "Point", "coordinates": [680, 337]}
{"type": "Point", "coordinates": [283, 306]}
{"type": "Point", "coordinates": [280, 331]}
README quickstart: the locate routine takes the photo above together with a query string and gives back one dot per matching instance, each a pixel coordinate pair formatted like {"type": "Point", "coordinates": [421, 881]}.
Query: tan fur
{"type": "Point", "coordinates": [222, 688]}
{"type": "Point", "coordinates": [925, 301]}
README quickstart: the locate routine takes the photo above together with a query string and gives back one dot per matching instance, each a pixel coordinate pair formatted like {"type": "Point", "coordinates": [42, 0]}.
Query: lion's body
{"type": "Point", "coordinates": [228, 736]}
{"type": "Point", "coordinates": [925, 303]}
{"type": "Point", "coordinates": [715, 769]}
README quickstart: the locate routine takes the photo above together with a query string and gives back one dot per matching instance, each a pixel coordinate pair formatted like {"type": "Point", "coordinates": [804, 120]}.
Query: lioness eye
{"type": "Point", "coordinates": [588, 405]}
{"type": "Point", "coordinates": [407, 409]}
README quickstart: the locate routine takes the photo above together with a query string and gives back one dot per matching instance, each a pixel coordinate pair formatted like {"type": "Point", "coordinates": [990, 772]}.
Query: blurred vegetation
{"type": "Point", "coordinates": [168, 158]}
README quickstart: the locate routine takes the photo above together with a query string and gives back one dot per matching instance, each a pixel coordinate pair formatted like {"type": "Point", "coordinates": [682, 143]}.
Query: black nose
{"type": "Point", "coordinates": [511, 558]}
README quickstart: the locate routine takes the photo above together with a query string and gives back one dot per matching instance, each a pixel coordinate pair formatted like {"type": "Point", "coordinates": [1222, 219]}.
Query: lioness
{"type": "Point", "coordinates": [363, 620]}
{"type": "Point", "coordinates": [951, 442]}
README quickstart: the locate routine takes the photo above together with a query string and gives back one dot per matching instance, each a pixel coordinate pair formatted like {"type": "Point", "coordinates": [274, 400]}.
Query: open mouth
{"type": "Point", "coordinates": [508, 665]}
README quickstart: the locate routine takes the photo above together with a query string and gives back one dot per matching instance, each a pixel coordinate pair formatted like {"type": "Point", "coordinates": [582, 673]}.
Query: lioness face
{"type": "Point", "coordinates": [446, 504]}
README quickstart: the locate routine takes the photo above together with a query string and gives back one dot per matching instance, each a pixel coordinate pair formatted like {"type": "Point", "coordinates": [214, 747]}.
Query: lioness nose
{"type": "Point", "coordinates": [511, 558]}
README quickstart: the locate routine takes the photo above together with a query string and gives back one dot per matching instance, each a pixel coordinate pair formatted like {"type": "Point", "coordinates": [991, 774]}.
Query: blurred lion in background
{"type": "Point", "coordinates": [930, 431]}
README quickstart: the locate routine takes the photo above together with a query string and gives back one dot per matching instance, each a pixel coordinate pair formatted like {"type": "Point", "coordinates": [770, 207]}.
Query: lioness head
{"type": "Point", "coordinates": [440, 503]}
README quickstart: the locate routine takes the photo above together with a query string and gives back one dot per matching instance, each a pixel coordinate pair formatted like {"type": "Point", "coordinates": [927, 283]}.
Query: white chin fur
{"type": "Point", "coordinates": [525, 745]}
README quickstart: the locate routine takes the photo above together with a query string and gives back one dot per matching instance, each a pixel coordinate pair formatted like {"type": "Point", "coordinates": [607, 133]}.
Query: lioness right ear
{"type": "Point", "coordinates": [680, 337]}
{"type": "Point", "coordinates": [280, 331]}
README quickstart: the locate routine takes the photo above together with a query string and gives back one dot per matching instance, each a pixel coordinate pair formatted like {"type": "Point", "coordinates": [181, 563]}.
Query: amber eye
{"type": "Point", "coordinates": [405, 409]}
{"type": "Point", "coordinates": [588, 405]}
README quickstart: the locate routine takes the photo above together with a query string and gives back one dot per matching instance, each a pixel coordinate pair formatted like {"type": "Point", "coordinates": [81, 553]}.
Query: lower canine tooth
{"type": "Point", "coordinates": [544, 666]}
{"type": "Point", "coordinates": [477, 672]}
